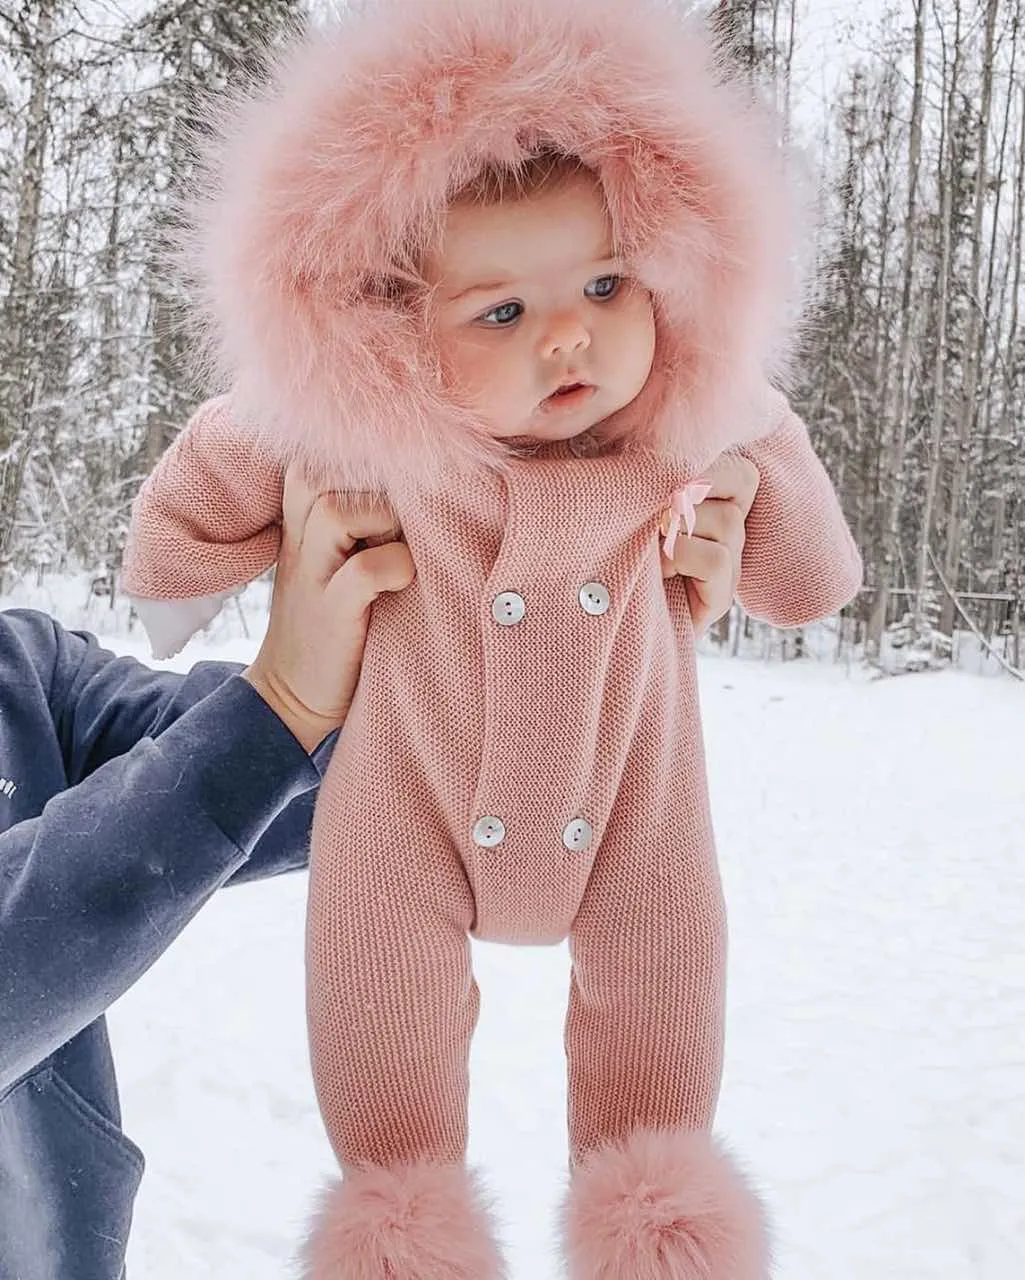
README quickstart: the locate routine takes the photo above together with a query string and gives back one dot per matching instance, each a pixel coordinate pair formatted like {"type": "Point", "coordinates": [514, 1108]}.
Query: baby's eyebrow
{"type": "Point", "coordinates": [489, 286]}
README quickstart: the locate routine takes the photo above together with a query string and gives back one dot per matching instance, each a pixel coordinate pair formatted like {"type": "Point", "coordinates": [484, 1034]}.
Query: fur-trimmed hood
{"type": "Point", "coordinates": [321, 179]}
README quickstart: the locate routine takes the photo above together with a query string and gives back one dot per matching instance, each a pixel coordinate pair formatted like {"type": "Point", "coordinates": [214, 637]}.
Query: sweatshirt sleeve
{"type": "Point", "coordinates": [800, 563]}
{"type": "Point", "coordinates": [172, 782]}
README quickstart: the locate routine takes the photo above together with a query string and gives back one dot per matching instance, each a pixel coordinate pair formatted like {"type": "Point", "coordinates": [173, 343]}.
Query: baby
{"type": "Point", "coordinates": [525, 269]}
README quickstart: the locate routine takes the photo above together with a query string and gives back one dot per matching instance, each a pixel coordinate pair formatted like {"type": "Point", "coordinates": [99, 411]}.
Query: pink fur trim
{"type": "Point", "coordinates": [663, 1206]}
{"type": "Point", "coordinates": [415, 1222]}
{"type": "Point", "coordinates": [347, 155]}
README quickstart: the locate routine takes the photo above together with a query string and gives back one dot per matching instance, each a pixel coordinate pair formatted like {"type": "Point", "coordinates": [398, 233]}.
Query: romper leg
{"type": "Point", "coordinates": [392, 1004]}
{"type": "Point", "coordinates": [652, 1197]}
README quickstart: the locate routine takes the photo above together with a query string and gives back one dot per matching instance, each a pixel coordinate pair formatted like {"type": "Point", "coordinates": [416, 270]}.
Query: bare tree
{"type": "Point", "coordinates": [896, 431]}
{"type": "Point", "coordinates": [968, 401]}
{"type": "Point", "coordinates": [19, 382]}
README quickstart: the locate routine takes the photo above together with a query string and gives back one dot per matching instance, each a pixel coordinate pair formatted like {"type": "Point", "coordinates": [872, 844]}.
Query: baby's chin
{"type": "Point", "coordinates": [550, 424]}
{"type": "Point", "coordinates": [544, 432]}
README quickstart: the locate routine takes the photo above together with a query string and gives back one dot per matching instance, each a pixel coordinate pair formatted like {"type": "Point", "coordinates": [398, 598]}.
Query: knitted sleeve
{"type": "Point", "coordinates": [800, 562]}
{"type": "Point", "coordinates": [206, 522]}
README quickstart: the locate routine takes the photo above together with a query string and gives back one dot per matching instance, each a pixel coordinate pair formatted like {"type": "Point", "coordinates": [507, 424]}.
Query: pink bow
{"type": "Point", "coordinates": [683, 504]}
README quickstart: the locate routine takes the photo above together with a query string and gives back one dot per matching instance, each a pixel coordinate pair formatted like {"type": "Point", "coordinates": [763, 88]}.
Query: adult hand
{"type": "Point", "coordinates": [309, 663]}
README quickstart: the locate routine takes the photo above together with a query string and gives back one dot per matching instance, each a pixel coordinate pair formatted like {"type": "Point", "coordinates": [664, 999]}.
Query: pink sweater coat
{"type": "Point", "coordinates": [523, 759]}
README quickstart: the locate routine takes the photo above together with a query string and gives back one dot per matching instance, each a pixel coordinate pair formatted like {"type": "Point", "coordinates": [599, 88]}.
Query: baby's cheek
{"type": "Point", "coordinates": [644, 343]}
{"type": "Point", "coordinates": [485, 374]}
{"type": "Point", "coordinates": [465, 366]}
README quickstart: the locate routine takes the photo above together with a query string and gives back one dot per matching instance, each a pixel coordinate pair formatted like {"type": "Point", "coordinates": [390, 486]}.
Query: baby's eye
{"type": "Point", "coordinates": [603, 287]}
{"type": "Point", "coordinates": [506, 313]}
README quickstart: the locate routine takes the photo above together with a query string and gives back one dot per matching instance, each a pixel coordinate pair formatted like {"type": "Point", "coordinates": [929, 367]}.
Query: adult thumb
{"type": "Point", "coordinates": [368, 573]}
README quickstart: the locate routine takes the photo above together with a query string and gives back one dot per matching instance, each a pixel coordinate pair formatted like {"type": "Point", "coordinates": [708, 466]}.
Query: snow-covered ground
{"type": "Point", "coordinates": [872, 836]}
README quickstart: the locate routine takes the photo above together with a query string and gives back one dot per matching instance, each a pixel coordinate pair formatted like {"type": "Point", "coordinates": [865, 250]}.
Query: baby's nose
{"type": "Point", "coordinates": [565, 333]}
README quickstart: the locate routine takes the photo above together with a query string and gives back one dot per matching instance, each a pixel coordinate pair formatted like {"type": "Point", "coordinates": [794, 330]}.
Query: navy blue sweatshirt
{"type": "Point", "coordinates": [127, 797]}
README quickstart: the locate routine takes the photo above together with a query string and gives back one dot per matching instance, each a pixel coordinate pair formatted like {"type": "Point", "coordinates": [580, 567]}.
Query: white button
{"type": "Point", "coordinates": [508, 608]}
{"type": "Point", "coordinates": [594, 599]}
{"type": "Point", "coordinates": [488, 832]}
{"type": "Point", "coordinates": [577, 835]}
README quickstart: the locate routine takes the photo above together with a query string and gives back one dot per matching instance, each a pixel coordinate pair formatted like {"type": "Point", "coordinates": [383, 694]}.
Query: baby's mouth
{"type": "Point", "coordinates": [568, 395]}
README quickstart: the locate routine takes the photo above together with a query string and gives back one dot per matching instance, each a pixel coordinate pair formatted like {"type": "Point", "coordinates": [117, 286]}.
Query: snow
{"type": "Point", "coordinates": [870, 835]}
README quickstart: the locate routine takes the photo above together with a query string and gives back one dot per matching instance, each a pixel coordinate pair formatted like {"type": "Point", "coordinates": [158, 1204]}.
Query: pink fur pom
{"type": "Point", "coordinates": [663, 1206]}
{"type": "Point", "coordinates": [415, 1222]}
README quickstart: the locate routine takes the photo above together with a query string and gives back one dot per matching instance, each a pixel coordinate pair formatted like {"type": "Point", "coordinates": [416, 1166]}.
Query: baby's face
{"type": "Point", "coordinates": [539, 329]}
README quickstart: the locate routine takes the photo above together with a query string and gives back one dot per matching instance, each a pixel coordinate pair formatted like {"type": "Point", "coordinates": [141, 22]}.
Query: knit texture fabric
{"type": "Point", "coordinates": [563, 717]}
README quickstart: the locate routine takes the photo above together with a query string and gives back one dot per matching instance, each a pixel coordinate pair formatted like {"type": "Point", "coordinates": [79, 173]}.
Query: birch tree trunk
{"type": "Point", "coordinates": [946, 175]}
{"type": "Point", "coordinates": [896, 437]}
{"type": "Point", "coordinates": [18, 381]}
{"type": "Point", "coordinates": [968, 401]}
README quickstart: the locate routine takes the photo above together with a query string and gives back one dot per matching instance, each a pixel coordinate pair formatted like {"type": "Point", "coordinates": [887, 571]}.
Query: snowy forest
{"type": "Point", "coordinates": [912, 378]}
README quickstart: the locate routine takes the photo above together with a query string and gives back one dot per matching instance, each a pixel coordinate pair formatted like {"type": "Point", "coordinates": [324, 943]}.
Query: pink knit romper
{"type": "Point", "coordinates": [523, 759]}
